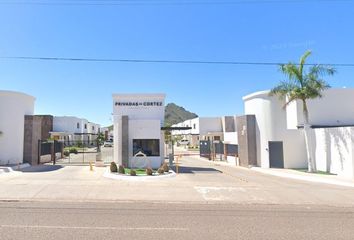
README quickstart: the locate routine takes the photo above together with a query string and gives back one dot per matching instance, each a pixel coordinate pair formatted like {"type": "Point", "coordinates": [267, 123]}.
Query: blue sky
{"type": "Point", "coordinates": [252, 32]}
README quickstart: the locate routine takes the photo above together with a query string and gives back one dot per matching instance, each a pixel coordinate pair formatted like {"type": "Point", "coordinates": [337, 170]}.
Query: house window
{"type": "Point", "coordinates": [194, 126]}
{"type": "Point", "coordinates": [85, 126]}
{"type": "Point", "coordinates": [150, 147]}
{"type": "Point", "coordinates": [78, 125]}
{"type": "Point", "coordinates": [93, 128]}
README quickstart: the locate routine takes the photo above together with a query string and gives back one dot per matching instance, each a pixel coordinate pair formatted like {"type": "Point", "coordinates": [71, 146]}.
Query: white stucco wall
{"type": "Point", "coordinates": [334, 108]}
{"type": "Point", "coordinates": [93, 128]}
{"type": "Point", "coordinates": [209, 124]}
{"type": "Point", "coordinates": [13, 108]}
{"type": "Point", "coordinates": [334, 150]}
{"type": "Point", "coordinates": [271, 125]}
{"type": "Point", "coordinates": [69, 124]}
{"type": "Point", "coordinates": [230, 138]}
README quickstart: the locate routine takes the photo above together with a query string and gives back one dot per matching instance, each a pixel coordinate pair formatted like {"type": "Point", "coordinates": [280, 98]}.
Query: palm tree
{"type": "Point", "coordinates": [301, 86]}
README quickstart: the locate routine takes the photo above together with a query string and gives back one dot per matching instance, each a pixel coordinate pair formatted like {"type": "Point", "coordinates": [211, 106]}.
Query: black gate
{"type": "Point", "coordinates": [204, 148]}
{"type": "Point", "coordinates": [231, 150]}
{"type": "Point", "coordinates": [49, 151]}
{"type": "Point", "coordinates": [219, 147]}
{"type": "Point", "coordinates": [85, 152]}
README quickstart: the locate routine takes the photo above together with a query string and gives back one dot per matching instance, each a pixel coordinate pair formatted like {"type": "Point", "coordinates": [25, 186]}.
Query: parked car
{"type": "Point", "coordinates": [108, 144]}
{"type": "Point", "coordinates": [184, 142]}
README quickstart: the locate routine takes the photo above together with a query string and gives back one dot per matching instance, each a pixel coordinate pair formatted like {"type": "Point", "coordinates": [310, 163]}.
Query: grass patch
{"type": "Point", "coordinates": [138, 171]}
{"type": "Point", "coordinates": [305, 170]}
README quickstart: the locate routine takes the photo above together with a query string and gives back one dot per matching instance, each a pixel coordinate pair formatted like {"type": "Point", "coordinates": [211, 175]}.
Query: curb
{"type": "Point", "coordinates": [8, 169]}
{"type": "Point", "coordinates": [114, 176]}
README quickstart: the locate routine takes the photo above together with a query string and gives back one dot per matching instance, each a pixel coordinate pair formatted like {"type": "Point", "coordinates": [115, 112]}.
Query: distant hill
{"type": "Point", "coordinates": [175, 114]}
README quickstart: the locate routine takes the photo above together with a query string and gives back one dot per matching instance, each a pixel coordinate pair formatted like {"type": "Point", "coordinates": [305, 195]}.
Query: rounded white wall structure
{"type": "Point", "coordinates": [13, 108]}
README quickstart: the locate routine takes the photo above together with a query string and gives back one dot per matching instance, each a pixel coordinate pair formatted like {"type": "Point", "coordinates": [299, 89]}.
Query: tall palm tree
{"type": "Point", "coordinates": [302, 85]}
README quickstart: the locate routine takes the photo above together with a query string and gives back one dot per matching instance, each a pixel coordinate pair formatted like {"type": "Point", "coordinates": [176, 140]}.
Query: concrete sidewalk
{"type": "Point", "coordinates": [292, 174]}
{"type": "Point", "coordinates": [304, 176]}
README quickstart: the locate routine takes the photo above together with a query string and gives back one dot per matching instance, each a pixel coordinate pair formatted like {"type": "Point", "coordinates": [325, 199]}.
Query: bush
{"type": "Point", "coordinates": [121, 169]}
{"type": "Point", "coordinates": [161, 170]}
{"type": "Point", "coordinates": [79, 144]}
{"type": "Point", "coordinates": [113, 167]}
{"type": "Point", "coordinates": [66, 153]}
{"type": "Point", "coordinates": [132, 172]}
{"type": "Point", "coordinates": [73, 150]}
{"type": "Point", "coordinates": [148, 171]}
{"type": "Point", "coordinates": [165, 167]}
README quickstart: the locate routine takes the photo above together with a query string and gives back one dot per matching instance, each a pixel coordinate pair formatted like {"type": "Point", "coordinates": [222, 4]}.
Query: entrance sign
{"type": "Point", "coordinates": [138, 119]}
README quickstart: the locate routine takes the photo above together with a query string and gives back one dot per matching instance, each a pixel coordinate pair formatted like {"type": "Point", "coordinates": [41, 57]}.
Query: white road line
{"type": "Point", "coordinates": [96, 228]}
{"type": "Point", "coordinates": [218, 193]}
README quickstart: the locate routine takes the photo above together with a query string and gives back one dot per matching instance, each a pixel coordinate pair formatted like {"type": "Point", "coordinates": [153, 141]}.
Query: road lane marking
{"type": "Point", "coordinates": [218, 193]}
{"type": "Point", "coordinates": [95, 228]}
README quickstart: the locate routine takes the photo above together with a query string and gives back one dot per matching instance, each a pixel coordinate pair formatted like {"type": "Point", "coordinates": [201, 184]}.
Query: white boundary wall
{"type": "Point", "coordinates": [334, 150]}
{"type": "Point", "coordinates": [13, 108]}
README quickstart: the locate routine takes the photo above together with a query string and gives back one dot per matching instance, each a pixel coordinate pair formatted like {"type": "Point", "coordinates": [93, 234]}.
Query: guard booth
{"type": "Point", "coordinates": [138, 119]}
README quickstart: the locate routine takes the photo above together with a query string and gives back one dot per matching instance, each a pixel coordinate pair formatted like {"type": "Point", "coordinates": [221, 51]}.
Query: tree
{"type": "Point", "coordinates": [302, 85]}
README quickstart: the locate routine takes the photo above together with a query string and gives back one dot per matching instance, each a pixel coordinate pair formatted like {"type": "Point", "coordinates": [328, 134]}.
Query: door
{"type": "Point", "coordinates": [276, 156]}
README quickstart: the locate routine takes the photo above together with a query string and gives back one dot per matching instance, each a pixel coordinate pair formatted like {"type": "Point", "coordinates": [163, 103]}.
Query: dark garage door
{"type": "Point", "coordinates": [276, 157]}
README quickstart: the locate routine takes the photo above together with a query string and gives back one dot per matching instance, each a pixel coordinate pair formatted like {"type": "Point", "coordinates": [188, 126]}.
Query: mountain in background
{"type": "Point", "coordinates": [176, 114]}
{"type": "Point", "coordinates": [173, 114]}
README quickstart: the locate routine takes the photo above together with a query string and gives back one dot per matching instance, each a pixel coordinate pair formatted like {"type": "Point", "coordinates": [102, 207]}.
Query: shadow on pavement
{"type": "Point", "coordinates": [41, 168]}
{"type": "Point", "coordinates": [193, 170]}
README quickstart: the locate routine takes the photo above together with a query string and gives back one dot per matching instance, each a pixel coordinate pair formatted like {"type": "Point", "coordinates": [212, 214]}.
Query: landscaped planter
{"type": "Point", "coordinates": [140, 175]}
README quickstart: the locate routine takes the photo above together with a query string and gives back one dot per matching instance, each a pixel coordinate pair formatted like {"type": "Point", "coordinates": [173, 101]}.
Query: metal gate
{"type": "Point", "coordinates": [85, 152]}
{"type": "Point", "coordinates": [49, 151]}
{"type": "Point", "coordinates": [204, 148]}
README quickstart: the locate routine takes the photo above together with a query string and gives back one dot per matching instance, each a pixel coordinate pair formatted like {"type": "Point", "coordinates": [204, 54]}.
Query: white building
{"type": "Point", "coordinates": [71, 129]}
{"type": "Point", "coordinates": [280, 142]}
{"type": "Point", "coordinates": [138, 119]}
{"type": "Point", "coordinates": [202, 128]}
{"type": "Point", "coordinates": [13, 108]}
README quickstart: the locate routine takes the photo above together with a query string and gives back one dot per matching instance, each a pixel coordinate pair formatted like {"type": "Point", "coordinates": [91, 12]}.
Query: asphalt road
{"type": "Point", "coordinates": [138, 220]}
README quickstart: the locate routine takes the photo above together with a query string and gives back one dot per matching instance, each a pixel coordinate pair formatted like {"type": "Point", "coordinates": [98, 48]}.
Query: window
{"type": "Point", "coordinates": [194, 126]}
{"type": "Point", "coordinates": [78, 125]}
{"type": "Point", "coordinates": [150, 147]}
{"type": "Point", "coordinates": [93, 128]}
{"type": "Point", "coordinates": [85, 126]}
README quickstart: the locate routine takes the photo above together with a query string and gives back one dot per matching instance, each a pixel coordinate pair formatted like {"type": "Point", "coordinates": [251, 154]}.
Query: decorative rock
{"type": "Point", "coordinates": [121, 169]}
{"type": "Point", "coordinates": [132, 172]}
{"type": "Point", "coordinates": [161, 170]}
{"type": "Point", "coordinates": [165, 167]}
{"type": "Point", "coordinates": [148, 171]}
{"type": "Point", "coordinates": [113, 167]}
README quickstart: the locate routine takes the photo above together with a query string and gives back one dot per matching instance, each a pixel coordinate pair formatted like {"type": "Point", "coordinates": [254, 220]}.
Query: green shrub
{"type": "Point", "coordinates": [66, 153]}
{"type": "Point", "coordinates": [121, 169]}
{"type": "Point", "coordinates": [113, 167]}
{"type": "Point", "coordinates": [73, 150]}
{"type": "Point", "coordinates": [148, 171]}
{"type": "Point", "coordinates": [132, 172]}
{"type": "Point", "coordinates": [79, 144]}
{"type": "Point", "coordinates": [161, 170]}
{"type": "Point", "coordinates": [165, 167]}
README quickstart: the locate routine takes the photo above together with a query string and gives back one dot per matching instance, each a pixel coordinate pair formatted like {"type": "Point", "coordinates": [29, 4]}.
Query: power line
{"type": "Point", "coordinates": [159, 2]}
{"type": "Point", "coordinates": [166, 61]}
